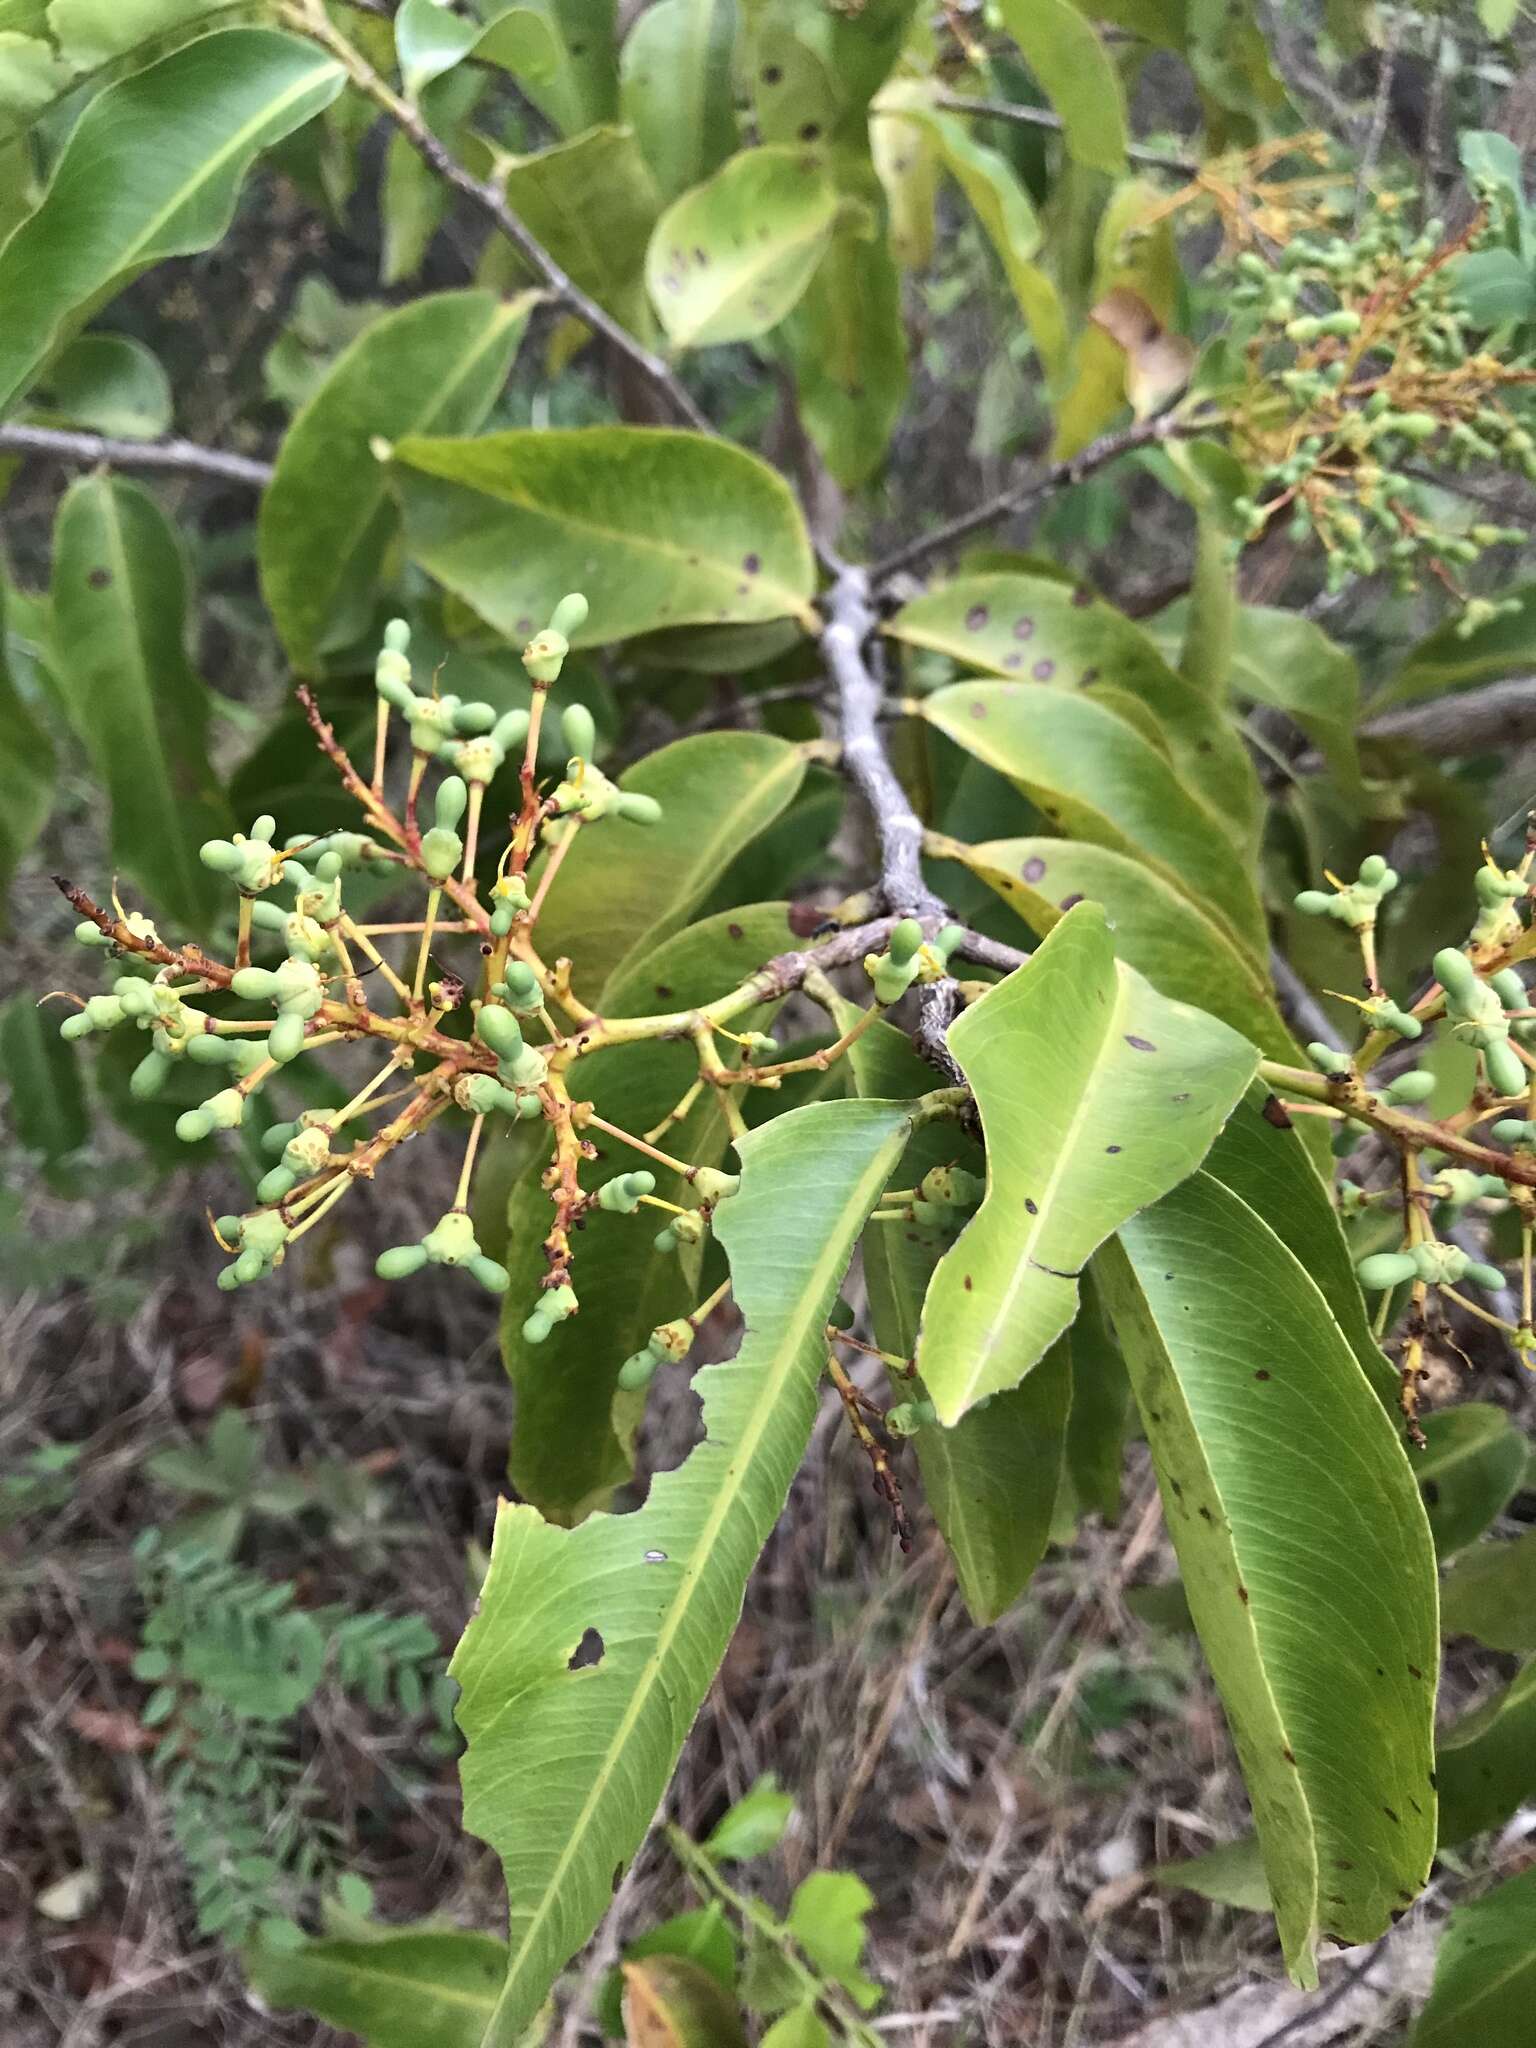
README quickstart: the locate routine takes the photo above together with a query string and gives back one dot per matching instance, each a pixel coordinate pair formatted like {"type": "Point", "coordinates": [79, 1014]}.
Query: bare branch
{"type": "Point", "coordinates": [183, 458]}
{"type": "Point", "coordinates": [483, 194]}
{"type": "Point", "coordinates": [1042, 117]}
{"type": "Point", "coordinates": [1073, 470]}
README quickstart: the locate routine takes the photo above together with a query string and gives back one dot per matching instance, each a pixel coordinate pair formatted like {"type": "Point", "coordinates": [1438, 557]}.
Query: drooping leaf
{"type": "Point", "coordinates": [658, 528]}
{"type": "Point", "coordinates": [675, 89]}
{"type": "Point", "coordinates": [1475, 1460]}
{"type": "Point", "coordinates": [26, 773]}
{"type": "Point", "coordinates": [108, 383]}
{"type": "Point", "coordinates": [730, 258]}
{"type": "Point", "coordinates": [592, 203]}
{"type": "Point", "coordinates": [564, 1768]}
{"type": "Point", "coordinates": [1132, 254]}
{"type": "Point", "coordinates": [431, 40]}
{"type": "Point", "coordinates": [1232, 1875]}
{"type": "Point", "coordinates": [1096, 1096]}
{"type": "Point", "coordinates": [905, 152]}
{"type": "Point", "coordinates": [673, 2002]}
{"type": "Point", "coordinates": [1081, 83]}
{"type": "Point", "coordinates": [1486, 1761]}
{"type": "Point", "coordinates": [1304, 1553]}
{"type": "Point", "coordinates": [327, 520]}
{"type": "Point", "coordinates": [1042, 630]}
{"type": "Point", "coordinates": [569, 1448]}
{"type": "Point", "coordinates": [398, 1989]}
{"type": "Point", "coordinates": [625, 887]}
{"type": "Point", "coordinates": [119, 625]}
{"type": "Point", "coordinates": [991, 1481]}
{"type": "Point", "coordinates": [47, 1103]}
{"type": "Point", "coordinates": [189, 126]}
{"type": "Point", "coordinates": [848, 350]}
{"type": "Point", "coordinates": [1179, 947]}
{"type": "Point", "coordinates": [1491, 1594]}
{"type": "Point", "coordinates": [1097, 776]}
{"type": "Point", "coordinates": [1485, 1973]}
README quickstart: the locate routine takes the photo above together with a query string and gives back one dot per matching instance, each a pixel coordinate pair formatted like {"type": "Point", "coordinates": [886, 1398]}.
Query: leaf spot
{"type": "Point", "coordinates": [587, 1652]}
{"type": "Point", "coordinates": [1262, 1373]}
{"type": "Point", "coordinates": [976, 618]}
{"type": "Point", "coordinates": [1033, 869]}
{"type": "Point", "coordinates": [1031, 1205]}
{"type": "Point", "coordinates": [99, 578]}
{"type": "Point", "coordinates": [1043, 671]}
{"type": "Point", "coordinates": [1023, 629]}
{"type": "Point", "coordinates": [1139, 1044]}
{"type": "Point", "coordinates": [1290, 1756]}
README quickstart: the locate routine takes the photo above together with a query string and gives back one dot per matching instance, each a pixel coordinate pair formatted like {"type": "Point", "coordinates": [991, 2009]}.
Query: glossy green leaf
{"type": "Point", "coordinates": [401, 1988]}
{"type": "Point", "coordinates": [564, 1768]}
{"type": "Point", "coordinates": [91, 33]}
{"type": "Point", "coordinates": [327, 521]}
{"type": "Point", "coordinates": [1179, 947]}
{"type": "Point", "coordinates": [1042, 630]}
{"type": "Point", "coordinates": [625, 887]}
{"type": "Point", "coordinates": [570, 1447]}
{"type": "Point", "coordinates": [1475, 1460]}
{"type": "Point", "coordinates": [592, 203]}
{"type": "Point", "coordinates": [582, 91]}
{"type": "Point", "coordinates": [190, 126]}
{"type": "Point", "coordinates": [108, 383]}
{"type": "Point", "coordinates": [1491, 1594]}
{"type": "Point", "coordinates": [1232, 1875]}
{"type": "Point", "coordinates": [848, 350]}
{"type": "Point", "coordinates": [658, 528]}
{"type": "Point", "coordinates": [27, 773]}
{"type": "Point", "coordinates": [1485, 1973]}
{"type": "Point", "coordinates": [1486, 1761]}
{"type": "Point", "coordinates": [1096, 1096]}
{"type": "Point", "coordinates": [119, 626]}
{"type": "Point", "coordinates": [730, 258]}
{"type": "Point", "coordinates": [32, 76]}
{"type": "Point", "coordinates": [1002, 207]}
{"type": "Point", "coordinates": [1304, 1552]}
{"type": "Point", "coordinates": [47, 1109]}
{"type": "Point", "coordinates": [675, 89]}
{"type": "Point", "coordinates": [1064, 52]}
{"type": "Point", "coordinates": [992, 1480]}
{"type": "Point", "coordinates": [430, 41]}
{"type": "Point", "coordinates": [1098, 777]}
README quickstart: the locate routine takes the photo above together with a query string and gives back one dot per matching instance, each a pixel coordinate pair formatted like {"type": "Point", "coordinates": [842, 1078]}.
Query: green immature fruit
{"type": "Point", "coordinates": [673, 1341]}
{"type": "Point", "coordinates": [579, 731]}
{"type": "Point", "coordinates": [622, 1194]}
{"type": "Point", "coordinates": [441, 852]}
{"type": "Point", "coordinates": [1514, 1130]}
{"type": "Point", "coordinates": [400, 1262]}
{"type": "Point", "coordinates": [1384, 1015]}
{"type": "Point", "coordinates": [509, 896]}
{"type": "Point", "coordinates": [285, 1041]}
{"type": "Point", "coordinates": [451, 802]}
{"type": "Point", "coordinates": [904, 941]}
{"type": "Point", "coordinates": [569, 615]}
{"type": "Point", "coordinates": [637, 1372]}
{"type": "Point", "coordinates": [1415, 1086]}
{"type": "Point", "coordinates": [1455, 974]}
{"type": "Point", "coordinates": [221, 1112]}
{"type": "Point", "coordinates": [637, 807]}
{"type": "Point", "coordinates": [149, 1076]}
{"type": "Point", "coordinates": [1327, 1060]}
{"type": "Point", "coordinates": [1456, 1186]}
{"type": "Point", "coordinates": [908, 1417]}
{"type": "Point", "coordinates": [555, 1306]}
{"type": "Point", "coordinates": [250, 860]}
{"type": "Point", "coordinates": [688, 1228]}
{"type": "Point", "coordinates": [519, 989]}
{"type": "Point", "coordinates": [1385, 1269]}
{"type": "Point", "coordinates": [500, 1030]}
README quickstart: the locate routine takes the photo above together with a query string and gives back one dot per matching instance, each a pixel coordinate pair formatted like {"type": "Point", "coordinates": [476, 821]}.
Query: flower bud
{"type": "Point", "coordinates": [622, 1194]}
{"type": "Point", "coordinates": [1385, 1269]}
{"type": "Point", "coordinates": [400, 1262]}
{"type": "Point", "coordinates": [638, 808]}
{"type": "Point", "coordinates": [569, 615]}
{"type": "Point", "coordinates": [578, 731]}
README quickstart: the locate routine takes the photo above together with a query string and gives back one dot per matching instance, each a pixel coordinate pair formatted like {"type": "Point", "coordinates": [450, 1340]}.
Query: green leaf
{"type": "Point", "coordinates": [1181, 949]}
{"type": "Point", "coordinates": [827, 1918]}
{"type": "Point", "coordinates": [32, 77]}
{"type": "Point", "coordinates": [91, 33]}
{"type": "Point", "coordinates": [564, 1768]}
{"type": "Point", "coordinates": [1096, 1096]}
{"type": "Point", "coordinates": [189, 126]}
{"type": "Point", "coordinates": [906, 159]}
{"type": "Point", "coordinates": [1098, 777]}
{"type": "Point", "coordinates": [1094, 1452]}
{"type": "Point", "coordinates": [801, 2027]}
{"type": "Point", "coordinates": [108, 383]}
{"type": "Point", "coordinates": [1475, 1461]}
{"type": "Point", "coordinates": [848, 350]}
{"type": "Point", "coordinates": [119, 624]}
{"type": "Point", "coordinates": [675, 89]}
{"type": "Point", "coordinates": [570, 1444]}
{"type": "Point", "coordinates": [729, 259]}
{"type": "Point", "coordinates": [431, 41]}
{"type": "Point", "coordinates": [1491, 1594]}
{"type": "Point", "coordinates": [1494, 285]}
{"type": "Point", "coordinates": [1080, 81]}
{"type": "Point", "coordinates": [624, 887]}
{"type": "Point", "coordinates": [1486, 1762]}
{"type": "Point", "coordinates": [1134, 251]}
{"type": "Point", "coordinates": [1445, 660]}
{"type": "Point", "coordinates": [658, 528]}
{"type": "Point", "coordinates": [1041, 630]}
{"type": "Point", "coordinates": [47, 1107]}
{"type": "Point", "coordinates": [813, 70]}
{"type": "Point", "coordinates": [1232, 1875]}
{"type": "Point", "coordinates": [1304, 1552]}
{"type": "Point", "coordinates": [705, 1937]}
{"type": "Point", "coordinates": [582, 91]}
{"type": "Point", "coordinates": [27, 773]}
{"type": "Point", "coordinates": [1498, 16]}
{"type": "Point", "coordinates": [1485, 1973]}
{"type": "Point", "coordinates": [754, 1825]}
{"type": "Point", "coordinates": [1001, 206]}
{"type": "Point", "coordinates": [327, 521]}
{"type": "Point", "coordinates": [991, 1481]}
{"type": "Point", "coordinates": [672, 2002]}
{"type": "Point", "coordinates": [405, 1987]}
{"type": "Point", "coordinates": [1282, 659]}
{"type": "Point", "coordinates": [592, 203]}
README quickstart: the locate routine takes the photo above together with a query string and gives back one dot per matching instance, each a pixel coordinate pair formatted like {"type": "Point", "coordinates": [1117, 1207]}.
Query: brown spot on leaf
{"type": "Point", "coordinates": [736, 931]}
{"type": "Point", "coordinates": [978, 709]}
{"type": "Point", "coordinates": [1139, 1044]}
{"type": "Point", "coordinates": [1043, 671]}
{"type": "Point", "coordinates": [99, 578]}
{"type": "Point", "coordinates": [751, 563]}
{"type": "Point", "coordinates": [976, 618]}
{"type": "Point", "coordinates": [1023, 629]}
{"type": "Point", "coordinates": [1071, 902]}
{"type": "Point", "coordinates": [1033, 869]}
{"type": "Point", "coordinates": [1031, 1206]}
{"type": "Point", "coordinates": [968, 1283]}
{"type": "Point", "coordinates": [1261, 1374]}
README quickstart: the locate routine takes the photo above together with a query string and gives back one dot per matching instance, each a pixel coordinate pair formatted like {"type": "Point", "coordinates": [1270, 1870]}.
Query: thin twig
{"type": "Point", "coordinates": [183, 458]}
{"type": "Point", "coordinates": [1073, 470]}
{"type": "Point", "coordinates": [1042, 117]}
{"type": "Point", "coordinates": [483, 194]}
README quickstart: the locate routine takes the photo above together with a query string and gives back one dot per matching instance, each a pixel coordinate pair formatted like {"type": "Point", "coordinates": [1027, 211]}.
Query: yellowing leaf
{"type": "Point", "coordinates": [729, 259]}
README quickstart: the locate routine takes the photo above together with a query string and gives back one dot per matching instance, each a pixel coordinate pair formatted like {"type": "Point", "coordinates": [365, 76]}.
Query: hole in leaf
{"type": "Point", "coordinates": [587, 1652]}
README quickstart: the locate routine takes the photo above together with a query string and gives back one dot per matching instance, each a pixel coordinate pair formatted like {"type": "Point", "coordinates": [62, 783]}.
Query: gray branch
{"type": "Point", "coordinates": [1042, 117]}
{"type": "Point", "coordinates": [182, 458]}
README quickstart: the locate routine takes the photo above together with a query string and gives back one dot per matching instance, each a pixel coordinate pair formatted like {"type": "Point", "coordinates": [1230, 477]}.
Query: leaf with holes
{"type": "Point", "coordinates": [1096, 1096]}
{"type": "Point", "coordinates": [189, 127]}
{"type": "Point", "coordinates": [327, 520]}
{"type": "Point", "coordinates": [1304, 1552]}
{"type": "Point", "coordinates": [396, 1987]}
{"type": "Point", "coordinates": [119, 626]}
{"type": "Point", "coordinates": [1039, 629]}
{"type": "Point", "coordinates": [729, 259]}
{"type": "Point", "coordinates": [565, 1766]}
{"type": "Point", "coordinates": [1096, 775]}
{"type": "Point", "coordinates": [659, 528]}
{"type": "Point", "coordinates": [570, 1444]}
